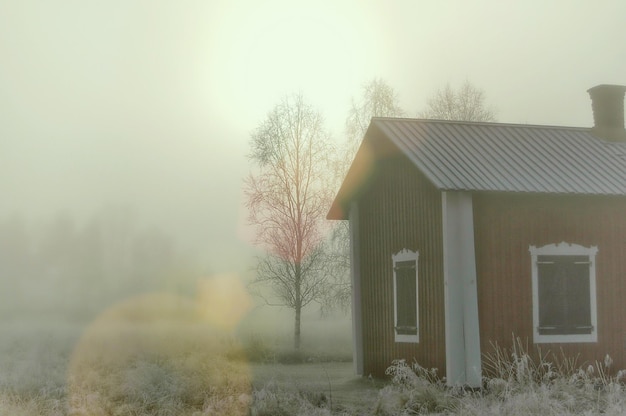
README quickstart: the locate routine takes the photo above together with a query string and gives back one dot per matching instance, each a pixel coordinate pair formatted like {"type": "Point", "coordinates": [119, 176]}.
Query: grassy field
{"type": "Point", "coordinates": [158, 356]}
{"type": "Point", "coordinates": [155, 368]}
{"type": "Point", "coordinates": [149, 361]}
{"type": "Point", "coordinates": [162, 368]}
{"type": "Point", "coordinates": [159, 369]}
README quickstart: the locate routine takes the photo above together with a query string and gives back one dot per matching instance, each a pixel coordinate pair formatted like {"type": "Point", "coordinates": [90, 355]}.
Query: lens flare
{"type": "Point", "coordinates": [161, 353]}
{"type": "Point", "coordinates": [223, 301]}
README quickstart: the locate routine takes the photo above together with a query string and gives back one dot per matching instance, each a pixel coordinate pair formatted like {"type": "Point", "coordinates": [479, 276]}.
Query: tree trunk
{"type": "Point", "coordinates": [298, 309]}
{"type": "Point", "coordinates": [296, 329]}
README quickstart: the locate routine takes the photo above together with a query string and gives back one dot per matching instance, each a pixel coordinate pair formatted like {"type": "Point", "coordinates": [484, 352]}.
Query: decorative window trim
{"type": "Point", "coordinates": [565, 249]}
{"type": "Point", "coordinates": [401, 256]}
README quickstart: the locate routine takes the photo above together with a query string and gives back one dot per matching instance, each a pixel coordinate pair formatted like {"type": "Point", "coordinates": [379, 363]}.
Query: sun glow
{"type": "Point", "coordinates": [276, 48]}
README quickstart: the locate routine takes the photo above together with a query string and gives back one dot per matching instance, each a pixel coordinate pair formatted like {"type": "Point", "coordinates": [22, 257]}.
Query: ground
{"type": "Point", "coordinates": [334, 380]}
{"type": "Point", "coordinates": [126, 364]}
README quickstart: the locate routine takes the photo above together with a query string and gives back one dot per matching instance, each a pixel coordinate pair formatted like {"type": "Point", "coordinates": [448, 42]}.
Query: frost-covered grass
{"type": "Point", "coordinates": [550, 383]}
{"type": "Point", "coordinates": [161, 367]}
{"type": "Point", "coordinates": [153, 356]}
{"type": "Point", "coordinates": [164, 368]}
{"type": "Point", "coordinates": [515, 384]}
{"type": "Point", "coordinates": [138, 364]}
{"type": "Point", "coordinates": [174, 367]}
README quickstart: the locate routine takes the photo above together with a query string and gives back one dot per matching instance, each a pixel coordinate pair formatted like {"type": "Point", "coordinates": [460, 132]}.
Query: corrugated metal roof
{"type": "Point", "coordinates": [503, 157]}
{"type": "Point", "coordinates": [508, 157]}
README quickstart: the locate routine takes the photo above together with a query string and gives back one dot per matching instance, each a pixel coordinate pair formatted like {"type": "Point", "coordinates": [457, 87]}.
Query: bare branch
{"type": "Point", "coordinates": [378, 100]}
{"type": "Point", "coordinates": [466, 104]}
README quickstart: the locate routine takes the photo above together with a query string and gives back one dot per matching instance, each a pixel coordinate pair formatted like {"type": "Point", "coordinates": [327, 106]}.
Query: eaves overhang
{"type": "Point", "coordinates": [490, 157]}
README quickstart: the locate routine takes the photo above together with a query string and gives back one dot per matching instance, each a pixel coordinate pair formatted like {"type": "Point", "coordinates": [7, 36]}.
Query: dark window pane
{"type": "Point", "coordinates": [564, 303]}
{"type": "Point", "coordinates": [406, 298]}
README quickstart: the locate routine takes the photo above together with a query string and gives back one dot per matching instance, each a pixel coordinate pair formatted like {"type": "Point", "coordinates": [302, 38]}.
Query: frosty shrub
{"type": "Point", "coordinates": [414, 390]}
{"type": "Point", "coordinates": [271, 400]}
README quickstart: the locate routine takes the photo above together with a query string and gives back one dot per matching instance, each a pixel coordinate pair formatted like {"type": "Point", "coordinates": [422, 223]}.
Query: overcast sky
{"type": "Point", "coordinates": [150, 104]}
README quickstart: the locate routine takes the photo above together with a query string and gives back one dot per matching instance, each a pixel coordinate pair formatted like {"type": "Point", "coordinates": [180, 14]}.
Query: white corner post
{"type": "Point", "coordinates": [463, 363]}
{"type": "Point", "coordinates": [355, 277]}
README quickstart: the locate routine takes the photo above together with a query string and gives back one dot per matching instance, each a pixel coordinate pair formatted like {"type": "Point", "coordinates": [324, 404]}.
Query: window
{"type": "Point", "coordinates": [564, 293]}
{"type": "Point", "coordinates": [405, 296]}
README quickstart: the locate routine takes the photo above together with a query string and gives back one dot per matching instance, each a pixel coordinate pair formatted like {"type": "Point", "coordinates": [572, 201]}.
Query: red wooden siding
{"type": "Point", "coordinates": [507, 224]}
{"type": "Point", "coordinates": [400, 209]}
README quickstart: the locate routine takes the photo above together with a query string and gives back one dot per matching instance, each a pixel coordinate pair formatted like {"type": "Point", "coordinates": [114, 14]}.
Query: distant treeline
{"type": "Point", "coordinates": [61, 266]}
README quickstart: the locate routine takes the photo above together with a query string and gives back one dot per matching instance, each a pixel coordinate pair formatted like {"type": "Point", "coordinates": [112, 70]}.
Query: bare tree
{"type": "Point", "coordinates": [378, 100]}
{"type": "Point", "coordinates": [465, 104]}
{"type": "Point", "coordinates": [287, 199]}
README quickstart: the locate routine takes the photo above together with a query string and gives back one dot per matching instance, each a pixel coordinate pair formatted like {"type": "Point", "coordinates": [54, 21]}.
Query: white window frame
{"type": "Point", "coordinates": [405, 255]}
{"type": "Point", "coordinates": [565, 249]}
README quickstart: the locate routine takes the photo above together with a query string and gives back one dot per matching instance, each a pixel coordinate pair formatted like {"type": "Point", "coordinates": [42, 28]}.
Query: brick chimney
{"type": "Point", "coordinates": [607, 102]}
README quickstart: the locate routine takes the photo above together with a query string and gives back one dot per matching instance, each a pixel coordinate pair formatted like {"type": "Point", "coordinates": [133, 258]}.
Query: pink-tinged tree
{"type": "Point", "coordinates": [288, 196]}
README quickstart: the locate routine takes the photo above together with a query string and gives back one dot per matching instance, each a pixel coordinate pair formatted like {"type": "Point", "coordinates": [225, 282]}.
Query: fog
{"type": "Point", "coordinates": [124, 125]}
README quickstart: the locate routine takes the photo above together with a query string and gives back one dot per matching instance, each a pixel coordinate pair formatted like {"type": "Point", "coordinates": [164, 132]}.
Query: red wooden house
{"type": "Point", "coordinates": [463, 234]}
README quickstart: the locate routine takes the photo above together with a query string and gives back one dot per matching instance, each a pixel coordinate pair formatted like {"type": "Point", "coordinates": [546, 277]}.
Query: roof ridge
{"type": "Point", "coordinates": [481, 123]}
